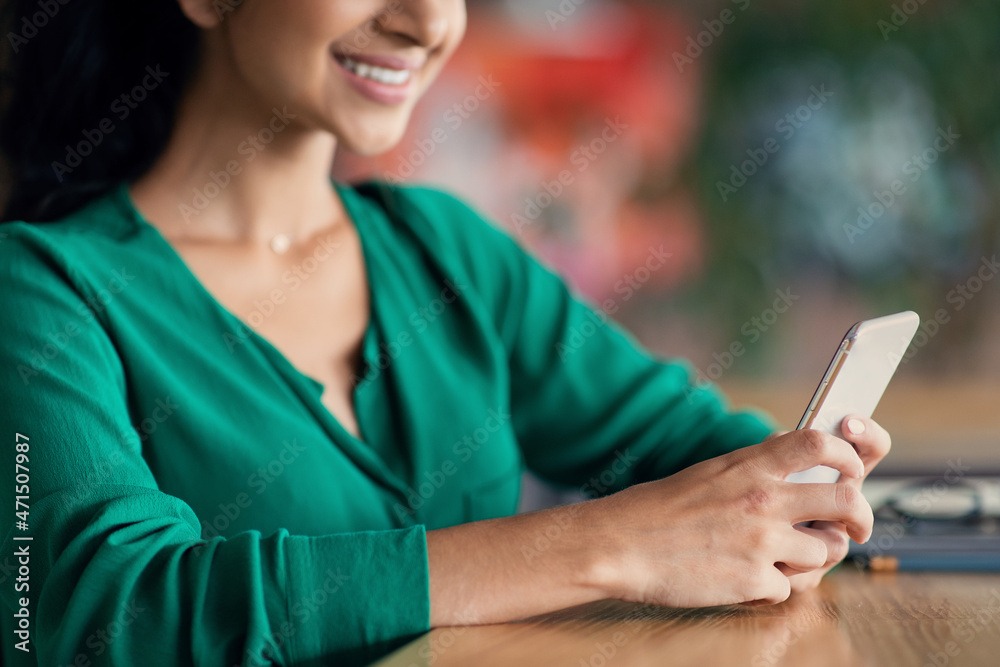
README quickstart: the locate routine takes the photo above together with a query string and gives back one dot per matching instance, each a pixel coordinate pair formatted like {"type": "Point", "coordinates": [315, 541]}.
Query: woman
{"type": "Point", "coordinates": [339, 475]}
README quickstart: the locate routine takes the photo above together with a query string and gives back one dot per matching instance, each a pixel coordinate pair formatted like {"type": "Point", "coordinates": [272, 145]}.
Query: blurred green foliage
{"type": "Point", "coordinates": [901, 74]}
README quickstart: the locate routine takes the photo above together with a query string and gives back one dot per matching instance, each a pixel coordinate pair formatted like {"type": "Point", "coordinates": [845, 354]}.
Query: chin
{"type": "Point", "coordinates": [369, 141]}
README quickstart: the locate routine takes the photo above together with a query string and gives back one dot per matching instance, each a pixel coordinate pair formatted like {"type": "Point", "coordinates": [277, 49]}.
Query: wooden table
{"type": "Point", "coordinates": [853, 618]}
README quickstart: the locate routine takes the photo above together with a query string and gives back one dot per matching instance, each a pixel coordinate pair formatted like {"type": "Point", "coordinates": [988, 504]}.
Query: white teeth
{"type": "Point", "coordinates": [393, 77]}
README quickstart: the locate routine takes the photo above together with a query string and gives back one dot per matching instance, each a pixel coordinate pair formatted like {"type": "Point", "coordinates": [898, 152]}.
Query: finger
{"type": "Point", "coordinates": [805, 448]}
{"type": "Point", "coordinates": [831, 502]}
{"type": "Point", "coordinates": [871, 441]}
{"type": "Point", "coordinates": [805, 581]}
{"type": "Point", "coordinates": [833, 534]}
{"type": "Point", "coordinates": [769, 586]}
{"type": "Point", "coordinates": [800, 552]}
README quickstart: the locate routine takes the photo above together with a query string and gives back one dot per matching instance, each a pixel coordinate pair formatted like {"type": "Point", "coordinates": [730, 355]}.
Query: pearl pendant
{"type": "Point", "coordinates": [281, 243]}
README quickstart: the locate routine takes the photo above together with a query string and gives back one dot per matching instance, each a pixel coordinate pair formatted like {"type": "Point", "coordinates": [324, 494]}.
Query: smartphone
{"type": "Point", "coordinates": [855, 379]}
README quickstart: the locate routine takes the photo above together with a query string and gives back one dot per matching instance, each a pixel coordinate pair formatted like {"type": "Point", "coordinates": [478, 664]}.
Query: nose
{"type": "Point", "coordinates": [426, 23]}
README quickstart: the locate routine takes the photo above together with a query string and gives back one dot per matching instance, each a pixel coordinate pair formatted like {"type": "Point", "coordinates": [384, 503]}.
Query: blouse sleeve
{"type": "Point", "coordinates": [591, 406]}
{"type": "Point", "coordinates": [109, 551]}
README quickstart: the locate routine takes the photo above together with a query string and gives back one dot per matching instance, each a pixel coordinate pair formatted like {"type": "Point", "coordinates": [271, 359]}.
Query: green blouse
{"type": "Point", "coordinates": [189, 499]}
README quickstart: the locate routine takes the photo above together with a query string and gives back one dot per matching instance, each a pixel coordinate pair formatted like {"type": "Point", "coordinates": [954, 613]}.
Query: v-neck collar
{"type": "Point", "coordinates": [305, 386]}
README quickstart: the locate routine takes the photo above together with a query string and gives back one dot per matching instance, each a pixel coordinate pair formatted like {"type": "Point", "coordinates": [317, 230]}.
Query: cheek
{"type": "Point", "coordinates": [282, 51]}
{"type": "Point", "coordinates": [282, 48]}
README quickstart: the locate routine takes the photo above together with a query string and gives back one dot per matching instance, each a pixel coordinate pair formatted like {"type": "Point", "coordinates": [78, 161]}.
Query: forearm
{"type": "Point", "coordinates": [515, 567]}
{"type": "Point", "coordinates": [723, 531]}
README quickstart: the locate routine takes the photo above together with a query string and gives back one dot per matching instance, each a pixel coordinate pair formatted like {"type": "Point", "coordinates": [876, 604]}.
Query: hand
{"type": "Point", "coordinates": [724, 531]}
{"type": "Point", "coordinates": [872, 443]}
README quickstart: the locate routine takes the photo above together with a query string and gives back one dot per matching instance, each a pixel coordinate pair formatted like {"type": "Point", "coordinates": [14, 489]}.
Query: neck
{"type": "Point", "coordinates": [236, 169]}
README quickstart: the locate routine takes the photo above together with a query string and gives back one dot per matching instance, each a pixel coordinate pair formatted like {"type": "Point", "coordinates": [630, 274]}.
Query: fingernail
{"type": "Point", "coordinates": [855, 426]}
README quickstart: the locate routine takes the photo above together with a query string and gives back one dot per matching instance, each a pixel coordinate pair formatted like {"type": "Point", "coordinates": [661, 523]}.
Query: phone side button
{"type": "Point", "coordinates": [818, 396]}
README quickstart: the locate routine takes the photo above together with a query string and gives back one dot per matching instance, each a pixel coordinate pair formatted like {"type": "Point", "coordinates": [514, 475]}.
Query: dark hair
{"type": "Point", "coordinates": [72, 74]}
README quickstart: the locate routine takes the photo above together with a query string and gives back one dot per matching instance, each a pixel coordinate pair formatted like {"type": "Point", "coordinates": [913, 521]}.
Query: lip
{"type": "Point", "coordinates": [383, 93]}
{"type": "Point", "coordinates": [390, 62]}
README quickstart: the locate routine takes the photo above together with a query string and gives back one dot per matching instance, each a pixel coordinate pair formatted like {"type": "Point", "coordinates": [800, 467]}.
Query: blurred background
{"type": "Point", "coordinates": [807, 165]}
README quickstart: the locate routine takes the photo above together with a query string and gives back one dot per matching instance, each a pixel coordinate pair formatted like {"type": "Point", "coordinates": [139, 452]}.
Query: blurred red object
{"type": "Point", "coordinates": [554, 92]}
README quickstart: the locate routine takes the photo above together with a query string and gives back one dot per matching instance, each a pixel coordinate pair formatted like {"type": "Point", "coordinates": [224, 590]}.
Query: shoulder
{"type": "Point", "coordinates": [451, 225]}
{"type": "Point", "coordinates": [448, 213]}
{"type": "Point", "coordinates": [35, 247]}
{"type": "Point", "coordinates": [101, 221]}
{"type": "Point", "coordinates": [62, 254]}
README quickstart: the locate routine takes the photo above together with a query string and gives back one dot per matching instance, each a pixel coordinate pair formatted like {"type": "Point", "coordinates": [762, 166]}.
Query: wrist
{"type": "Point", "coordinates": [594, 550]}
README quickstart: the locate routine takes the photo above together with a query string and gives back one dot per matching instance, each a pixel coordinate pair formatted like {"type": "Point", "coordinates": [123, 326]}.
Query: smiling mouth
{"type": "Point", "coordinates": [383, 75]}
